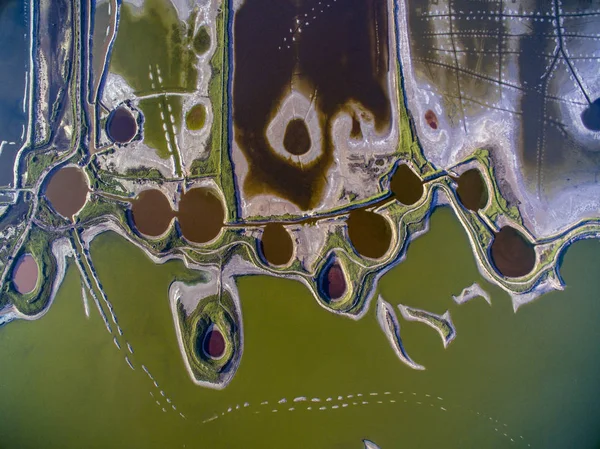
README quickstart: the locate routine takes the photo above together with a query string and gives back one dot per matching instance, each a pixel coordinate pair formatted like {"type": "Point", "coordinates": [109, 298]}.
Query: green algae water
{"type": "Point", "coordinates": [530, 376]}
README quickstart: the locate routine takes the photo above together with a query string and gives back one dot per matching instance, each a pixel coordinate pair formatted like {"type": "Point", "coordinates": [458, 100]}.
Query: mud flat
{"type": "Point", "coordinates": [25, 274]}
{"type": "Point", "coordinates": [441, 323]}
{"type": "Point", "coordinates": [391, 328]}
{"type": "Point", "coordinates": [296, 125]}
{"type": "Point", "coordinates": [512, 254]}
{"type": "Point", "coordinates": [67, 191]}
{"type": "Point", "coordinates": [471, 292]}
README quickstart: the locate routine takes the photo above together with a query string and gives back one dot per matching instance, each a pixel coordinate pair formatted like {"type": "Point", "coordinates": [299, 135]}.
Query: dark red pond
{"type": "Point", "coordinates": [334, 282]}
{"type": "Point", "coordinates": [214, 343]}
{"type": "Point", "coordinates": [121, 126]}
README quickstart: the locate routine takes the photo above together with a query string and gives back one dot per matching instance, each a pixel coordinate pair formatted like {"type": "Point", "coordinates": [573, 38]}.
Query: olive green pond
{"type": "Point", "coordinates": [508, 380]}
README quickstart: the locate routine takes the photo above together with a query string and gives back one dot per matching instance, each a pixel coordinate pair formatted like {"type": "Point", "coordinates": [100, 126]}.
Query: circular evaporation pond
{"type": "Point", "coordinates": [25, 274]}
{"type": "Point", "coordinates": [297, 137]}
{"type": "Point", "coordinates": [472, 190]}
{"type": "Point", "coordinates": [370, 233]}
{"type": "Point", "coordinates": [406, 186]}
{"type": "Point", "coordinates": [591, 116]}
{"type": "Point", "coordinates": [121, 126]}
{"type": "Point", "coordinates": [67, 191]}
{"type": "Point", "coordinates": [333, 281]}
{"type": "Point", "coordinates": [196, 117]}
{"type": "Point", "coordinates": [152, 213]}
{"type": "Point", "coordinates": [512, 255]}
{"type": "Point", "coordinates": [213, 344]}
{"type": "Point", "coordinates": [276, 244]}
{"type": "Point", "coordinates": [431, 119]}
{"type": "Point", "coordinates": [201, 215]}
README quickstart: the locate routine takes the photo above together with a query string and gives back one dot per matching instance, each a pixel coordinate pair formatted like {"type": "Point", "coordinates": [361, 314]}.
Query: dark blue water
{"type": "Point", "coordinates": [14, 48]}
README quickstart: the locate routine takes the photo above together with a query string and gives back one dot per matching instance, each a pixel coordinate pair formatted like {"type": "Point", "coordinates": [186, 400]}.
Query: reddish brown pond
{"type": "Point", "coordinates": [431, 119]}
{"type": "Point", "coordinates": [201, 215]}
{"type": "Point", "coordinates": [297, 137]}
{"type": "Point", "coordinates": [406, 186]}
{"type": "Point", "coordinates": [512, 254]}
{"type": "Point", "coordinates": [151, 212]}
{"type": "Point", "coordinates": [333, 281]}
{"type": "Point", "coordinates": [25, 274]}
{"type": "Point", "coordinates": [214, 343]}
{"type": "Point", "coordinates": [472, 190]}
{"type": "Point", "coordinates": [370, 233]}
{"type": "Point", "coordinates": [276, 244]}
{"type": "Point", "coordinates": [67, 191]}
{"type": "Point", "coordinates": [121, 126]}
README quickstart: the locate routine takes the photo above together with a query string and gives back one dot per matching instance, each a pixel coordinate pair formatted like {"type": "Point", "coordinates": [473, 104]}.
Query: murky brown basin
{"type": "Point", "coordinates": [472, 190]}
{"type": "Point", "coordinates": [67, 191]}
{"type": "Point", "coordinates": [333, 281]}
{"type": "Point", "coordinates": [25, 274]}
{"type": "Point", "coordinates": [337, 55]}
{"type": "Point", "coordinates": [201, 215]}
{"type": "Point", "coordinates": [121, 126]}
{"type": "Point", "coordinates": [296, 139]}
{"type": "Point", "coordinates": [370, 233]}
{"type": "Point", "coordinates": [276, 244]}
{"type": "Point", "coordinates": [512, 254]}
{"type": "Point", "coordinates": [151, 212]}
{"type": "Point", "coordinates": [406, 186]}
{"type": "Point", "coordinates": [214, 343]}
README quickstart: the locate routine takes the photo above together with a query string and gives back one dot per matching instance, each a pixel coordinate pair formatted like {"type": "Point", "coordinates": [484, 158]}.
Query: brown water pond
{"type": "Point", "coordinates": [472, 190]}
{"type": "Point", "coordinates": [276, 244]}
{"type": "Point", "coordinates": [512, 254]}
{"type": "Point", "coordinates": [151, 212]}
{"type": "Point", "coordinates": [406, 186]}
{"type": "Point", "coordinates": [121, 126]}
{"type": "Point", "coordinates": [25, 274]}
{"type": "Point", "coordinates": [201, 215]}
{"type": "Point", "coordinates": [213, 344]}
{"type": "Point", "coordinates": [370, 233]}
{"type": "Point", "coordinates": [67, 191]}
{"type": "Point", "coordinates": [333, 281]}
{"type": "Point", "coordinates": [431, 119]}
{"type": "Point", "coordinates": [297, 137]}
